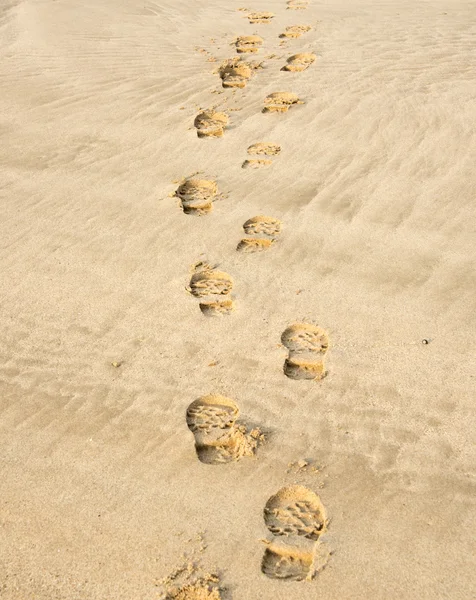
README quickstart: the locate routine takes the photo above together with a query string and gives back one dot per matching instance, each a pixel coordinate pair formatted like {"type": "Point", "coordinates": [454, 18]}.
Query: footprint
{"type": "Point", "coordinates": [280, 102]}
{"type": "Point", "coordinates": [206, 588]}
{"type": "Point", "coordinates": [297, 517]}
{"type": "Point", "coordinates": [262, 225]}
{"type": "Point", "coordinates": [216, 308]}
{"type": "Point", "coordinates": [260, 17]}
{"type": "Point", "coordinates": [235, 73]}
{"type": "Point", "coordinates": [307, 344]}
{"type": "Point", "coordinates": [208, 283]}
{"type": "Point", "coordinates": [295, 510]}
{"type": "Point", "coordinates": [246, 44]}
{"type": "Point", "coordinates": [258, 227]}
{"type": "Point", "coordinates": [303, 337]}
{"type": "Point", "coordinates": [213, 288]}
{"type": "Point", "coordinates": [284, 561]}
{"type": "Point", "coordinates": [261, 148]}
{"type": "Point", "coordinates": [210, 123]}
{"type": "Point", "coordinates": [297, 4]}
{"type": "Point", "coordinates": [295, 31]}
{"type": "Point", "coordinates": [256, 163]}
{"type": "Point", "coordinates": [218, 437]}
{"type": "Point", "coordinates": [266, 148]}
{"type": "Point", "coordinates": [299, 62]}
{"type": "Point", "coordinates": [196, 196]}
{"type": "Point", "coordinates": [250, 245]}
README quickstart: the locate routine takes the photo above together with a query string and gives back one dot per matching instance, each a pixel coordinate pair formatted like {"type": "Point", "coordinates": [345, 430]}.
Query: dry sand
{"type": "Point", "coordinates": [102, 349]}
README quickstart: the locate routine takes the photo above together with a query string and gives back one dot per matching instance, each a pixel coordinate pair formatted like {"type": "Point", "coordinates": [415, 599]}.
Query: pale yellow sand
{"type": "Point", "coordinates": [101, 486]}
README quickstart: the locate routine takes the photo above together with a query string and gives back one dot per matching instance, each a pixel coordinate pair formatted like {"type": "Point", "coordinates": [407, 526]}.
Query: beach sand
{"type": "Point", "coordinates": [105, 342]}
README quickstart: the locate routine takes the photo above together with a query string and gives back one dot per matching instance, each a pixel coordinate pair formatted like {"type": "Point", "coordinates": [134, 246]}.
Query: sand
{"type": "Point", "coordinates": [103, 347]}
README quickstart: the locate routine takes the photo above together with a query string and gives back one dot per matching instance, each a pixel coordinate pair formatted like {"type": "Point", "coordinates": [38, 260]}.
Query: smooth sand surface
{"type": "Point", "coordinates": [102, 490]}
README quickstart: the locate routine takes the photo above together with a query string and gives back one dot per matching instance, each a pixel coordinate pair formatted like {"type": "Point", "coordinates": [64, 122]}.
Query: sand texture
{"type": "Point", "coordinates": [238, 300]}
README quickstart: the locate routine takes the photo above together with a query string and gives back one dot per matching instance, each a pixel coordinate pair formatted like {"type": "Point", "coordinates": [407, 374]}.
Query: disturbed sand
{"type": "Point", "coordinates": [134, 428]}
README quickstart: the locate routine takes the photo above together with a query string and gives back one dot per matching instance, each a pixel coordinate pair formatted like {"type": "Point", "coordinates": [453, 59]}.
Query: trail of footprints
{"type": "Point", "coordinates": [295, 516]}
